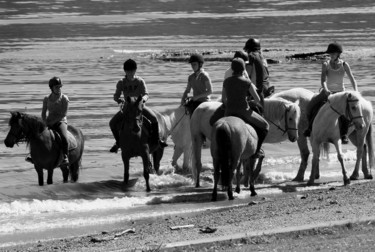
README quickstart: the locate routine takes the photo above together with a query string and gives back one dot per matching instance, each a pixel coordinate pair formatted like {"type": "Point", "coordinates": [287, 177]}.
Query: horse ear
{"type": "Point", "coordinates": [349, 95]}
{"type": "Point", "coordinates": [297, 102]}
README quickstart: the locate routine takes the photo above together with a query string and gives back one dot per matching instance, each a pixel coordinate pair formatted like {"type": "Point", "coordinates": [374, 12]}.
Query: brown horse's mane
{"type": "Point", "coordinates": [35, 125]}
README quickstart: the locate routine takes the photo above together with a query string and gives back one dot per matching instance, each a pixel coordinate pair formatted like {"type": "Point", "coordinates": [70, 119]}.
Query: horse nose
{"type": "Point", "coordinates": [293, 139]}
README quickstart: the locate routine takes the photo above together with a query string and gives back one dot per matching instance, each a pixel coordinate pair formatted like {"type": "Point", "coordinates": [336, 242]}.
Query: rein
{"type": "Point", "coordinates": [351, 117]}
{"type": "Point", "coordinates": [286, 123]}
{"type": "Point", "coordinates": [186, 113]}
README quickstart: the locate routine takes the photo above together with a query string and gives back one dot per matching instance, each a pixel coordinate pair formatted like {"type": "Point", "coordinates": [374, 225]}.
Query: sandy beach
{"type": "Point", "coordinates": [280, 222]}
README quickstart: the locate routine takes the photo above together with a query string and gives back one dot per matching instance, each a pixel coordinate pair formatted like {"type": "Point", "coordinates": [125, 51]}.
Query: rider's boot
{"type": "Point", "coordinates": [261, 136]}
{"type": "Point", "coordinates": [344, 128]}
{"type": "Point", "coordinates": [29, 159]}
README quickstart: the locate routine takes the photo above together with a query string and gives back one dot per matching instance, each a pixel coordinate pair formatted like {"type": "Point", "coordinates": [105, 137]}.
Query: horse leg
{"type": "Point", "coordinates": [360, 144]}
{"type": "Point", "coordinates": [254, 174]}
{"type": "Point", "coordinates": [315, 163]}
{"type": "Point", "coordinates": [238, 177]}
{"type": "Point", "coordinates": [157, 156]}
{"type": "Point", "coordinates": [50, 176]}
{"type": "Point", "coordinates": [176, 154]}
{"type": "Point", "coordinates": [247, 172]}
{"type": "Point", "coordinates": [232, 167]}
{"type": "Point", "coordinates": [146, 170]}
{"type": "Point", "coordinates": [341, 160]}
{"type": "Point", "coordinates": [125, 160]}
{"type": "Point", "coordinates": [65, 173]}
{"type": "Point", "coordinates": [39, 171]}
{"type": "Point", "coordinates": [197, 152]}
{"type": "Point", "coordinates": [217, 168]}
{"type": "Point", "coordinates": [304, 152]}
{"type": "Point", "coordinates": [74, 170]}
{"type": "Point", "coordinates": [187, 161]}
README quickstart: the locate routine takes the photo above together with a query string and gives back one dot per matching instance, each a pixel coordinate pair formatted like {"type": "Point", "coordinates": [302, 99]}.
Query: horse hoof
{"type": "Point", "coordinates": [238, 190]}
{"type": "Point", "coordinates": [253, 194]}
{"type": "Point", "coordinates": [354, 177]}
{"type": "Point", "coordinates": [297, 179]}
{"type": "Point", "coordinates": [310, 183]}
{"type": "Point", "coordinates": [369, 177]}
{"type": "Point", "coordinates": [346, 182]}
{"type": "Point", "coordinates": [231, 198]}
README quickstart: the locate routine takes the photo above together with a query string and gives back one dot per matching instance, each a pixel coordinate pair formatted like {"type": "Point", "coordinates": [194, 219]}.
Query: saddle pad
{"type": "Point", "coordinates": [72, 142]}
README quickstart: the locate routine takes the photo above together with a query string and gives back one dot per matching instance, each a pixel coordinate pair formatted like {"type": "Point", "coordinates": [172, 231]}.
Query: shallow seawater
{"type": "Point", "coordinates": [86, 43]}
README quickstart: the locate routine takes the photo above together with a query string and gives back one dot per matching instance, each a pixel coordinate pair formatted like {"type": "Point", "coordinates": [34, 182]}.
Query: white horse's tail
{"type": "Point", "coordinates": [370, 147]}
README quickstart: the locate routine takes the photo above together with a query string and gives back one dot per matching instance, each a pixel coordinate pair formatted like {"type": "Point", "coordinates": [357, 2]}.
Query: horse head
{"type": "Point", "coordinates": [292, 117]}
{"type": "Point", "coordinates": [354, 110]}
{"type": "Point", "coordinates": [16, 133]}
{"type": "Point", "coordinates": [132, 110]}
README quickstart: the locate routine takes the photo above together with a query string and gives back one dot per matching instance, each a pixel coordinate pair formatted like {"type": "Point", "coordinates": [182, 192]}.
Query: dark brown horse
{"type": "Point", "coordinates": [45, 145]}
{"type": "Point", "coordinates": [135, 140]}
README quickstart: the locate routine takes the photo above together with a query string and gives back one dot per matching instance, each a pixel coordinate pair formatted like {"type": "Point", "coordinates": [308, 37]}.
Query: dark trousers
{"type": "Point", "coordinates": [62, 129]}
{"type": "Point", "coordinates": [116, 122]}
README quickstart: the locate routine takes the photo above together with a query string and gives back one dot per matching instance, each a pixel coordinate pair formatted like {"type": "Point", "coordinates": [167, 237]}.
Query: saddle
{"type": "Point", "coordinates": [72, 142]}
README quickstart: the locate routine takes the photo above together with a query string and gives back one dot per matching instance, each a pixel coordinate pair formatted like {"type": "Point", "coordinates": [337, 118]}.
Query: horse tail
{"type": "Point", "coordinates": [370, 146]}
{"type": "Point", "coordinates": [224, 150]}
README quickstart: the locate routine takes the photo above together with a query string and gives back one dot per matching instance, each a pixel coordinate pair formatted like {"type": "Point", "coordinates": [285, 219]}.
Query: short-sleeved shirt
{"type": "Point", "coordinates": [132, 88]}
{"type": "Point", "coordinates": [237, 90]}
{"type": "Point", "coordinates": [200, 83]}
{"type": "Point", "coordinates": [56, 109]}
{"type": "Point", "coordinates": [335, 77]}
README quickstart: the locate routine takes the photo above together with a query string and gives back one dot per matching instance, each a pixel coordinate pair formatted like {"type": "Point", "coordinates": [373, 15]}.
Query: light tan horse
{"type": "Point", "coordinates": [232, 142]}
{"type": "Point", "coordinates": [283, 117]}
{"type": "Point", "coordinates": [326, 129]}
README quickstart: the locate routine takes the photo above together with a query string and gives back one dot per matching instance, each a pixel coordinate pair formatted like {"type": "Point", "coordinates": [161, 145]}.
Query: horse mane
{"type": "Point", "coordinates": [35, 125]}
{"type": "Point", "coordinates": [274, 108]}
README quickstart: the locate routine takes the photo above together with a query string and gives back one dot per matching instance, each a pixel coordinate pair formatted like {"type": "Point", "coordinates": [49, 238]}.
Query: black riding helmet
{"type": "Point", "coordinates": [130, 65]}
{"type": "Point", "coordinates": [252, 44]}
{"type": "Point", "coordinates": [238, 65]}
{"type": "Point", "coordinates": [334, 48]}
{"type": "Point", "coordinates": [196, 58]}
{"type": "Point", "coordinates": [55, 81]}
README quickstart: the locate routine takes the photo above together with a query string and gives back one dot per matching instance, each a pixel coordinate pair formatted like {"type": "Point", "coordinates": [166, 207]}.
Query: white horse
{"type": "Point", "coordinates": [282, 115]}
{"type": "Point", "coordinates": [233, 142]}
{"type": "Point", "coordinates": [173, 123]}
{"type": "Point", "coordinates": [326, 129]}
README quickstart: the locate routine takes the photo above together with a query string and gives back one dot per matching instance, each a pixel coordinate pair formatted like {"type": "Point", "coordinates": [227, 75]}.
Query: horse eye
{"type": "Point", "coordinates": [354, 108]}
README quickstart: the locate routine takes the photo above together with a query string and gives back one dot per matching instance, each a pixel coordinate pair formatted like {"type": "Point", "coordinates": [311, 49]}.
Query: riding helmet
{"type": "Point", "coordinates": [252, 44]}
{"type": "Point", "coordinates": [241, 54]}
{"type": "Point", "coordinates": [130, 65]}
{"type": "Point", "coordinates": [55, 81]}
{"type": "Point", "coordinates": [334, 48]}
{"type": "Point", "coordinates": [238, 65]}
{"type": "Point", "coordinates": [196, 58]}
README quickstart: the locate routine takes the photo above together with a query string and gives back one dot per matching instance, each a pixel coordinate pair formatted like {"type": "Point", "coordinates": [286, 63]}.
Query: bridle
{"type": "Point", "coordinates": [347, 110]}
{"type": "Point", "coordinates": [287, 128]}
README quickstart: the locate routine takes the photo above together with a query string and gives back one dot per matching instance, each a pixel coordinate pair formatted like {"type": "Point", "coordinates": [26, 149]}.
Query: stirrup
{"type": "Point", "coordinates": [29, 159]}
{"type": "Point", "coordinates": [114, 148]}
{"type": "Point", "coordinates": [162, 144]}
{"type": "Point", "coordinates": [344, 139]}
{"type": "Point", "coordinates": [258, 154]}
{"type": "Point", "coordinates": [307, 133]}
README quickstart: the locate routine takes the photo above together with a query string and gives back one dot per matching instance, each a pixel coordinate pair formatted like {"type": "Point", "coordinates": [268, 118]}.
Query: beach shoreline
{"type": "Point", "coordinates": [277, 214]}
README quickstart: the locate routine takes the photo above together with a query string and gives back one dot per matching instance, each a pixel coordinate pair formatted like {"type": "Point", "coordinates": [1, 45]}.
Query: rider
{"type": "Point", "coordinates": [238, 54]}
{"type": "Point", "coordinates": [235, 93]}
{"type": "Point", "coordinates": [257, 68]}
{"type": "Point", "coordinates": [57, 104]}
{"type": "Point", "coordinates": [199, 81]}
{"type": "Point", "coordinates": [133, 86]}
{"type": "Point", "coordinates": [332, 81]}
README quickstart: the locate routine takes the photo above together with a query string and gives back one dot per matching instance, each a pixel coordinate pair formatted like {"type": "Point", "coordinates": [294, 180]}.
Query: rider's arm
{"type": "Point", "coordinates": [44, 109]}
{"type": "Point", "coordinates": [117, 94]}
{"type": "Point", "coordinates": [254, 94]}
{"type": "Point", "coordinates": [144, 91]}
{"type": "Point", "coordinates": [323, 77]}
{"type": "Point", "coordinates": [350, 75]}
{"type": "Point", "coordinates": [185, 94]}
